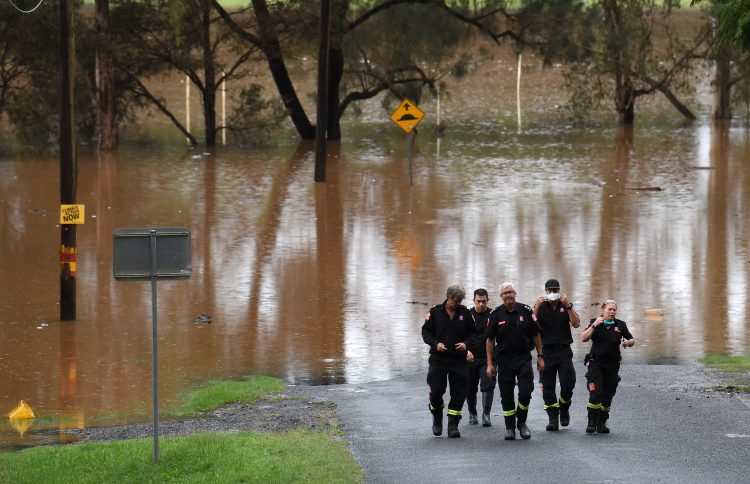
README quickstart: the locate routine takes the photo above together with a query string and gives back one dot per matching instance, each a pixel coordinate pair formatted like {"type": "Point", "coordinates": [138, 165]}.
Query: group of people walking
{"type": "Point", "coordinates": [477, 347]}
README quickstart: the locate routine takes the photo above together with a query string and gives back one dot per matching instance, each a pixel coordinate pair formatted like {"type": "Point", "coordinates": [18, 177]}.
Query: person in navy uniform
{"type": "Point", "coordinates": [480, 315]}
{"type": "Point", "coordinates": [555, 315]}
{"type": "Point", "coordinates": [511, 334]}
{"type": "Point", "coordinates": [606, 333]}
{"type": "Point", "coordinates": [447, 329]}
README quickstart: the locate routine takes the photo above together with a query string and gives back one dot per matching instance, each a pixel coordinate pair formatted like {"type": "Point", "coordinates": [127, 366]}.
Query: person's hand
{"type": "Point", "coordinates": [564, 300]}
{"type": "Point", "coordinates": [469, 356]}
{"type": "Point", "coordinates": [540, 299]}
{"type": "Point", "coordinates": [599, 321]}
{"type": "Point", "coordinates": [540, 363]}
{"type": "Point", "coordinates": [627, 343]}
{"type": "Point", "coordinates": [491, 371]}
{"type": "Point", "coordinates": [460, 346]}
{"type": "Point", "coordinates": [441, 347]}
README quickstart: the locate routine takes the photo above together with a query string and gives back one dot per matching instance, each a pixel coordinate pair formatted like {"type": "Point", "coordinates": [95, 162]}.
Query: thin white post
{"type": "Point", "coordinates": [187, 103]}
{"type": "Point", "coordinates": [518, 90]}
{"type": "Point", "coordinates": [223, 108]}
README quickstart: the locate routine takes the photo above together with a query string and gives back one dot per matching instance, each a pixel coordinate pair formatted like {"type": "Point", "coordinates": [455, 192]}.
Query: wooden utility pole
{"type": "Point", "coordinates": [68, 163]}
{"type": "Point", "coordinates": [321, 124]}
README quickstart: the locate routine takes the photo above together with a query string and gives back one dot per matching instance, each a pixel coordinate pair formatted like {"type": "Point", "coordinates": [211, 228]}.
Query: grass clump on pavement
{"type": "Point", "coordinates": [732, 364]}
{"type": "Point", "coordinates": [298, 456]}
{"type": "Point", "coordinates": [217, 393]}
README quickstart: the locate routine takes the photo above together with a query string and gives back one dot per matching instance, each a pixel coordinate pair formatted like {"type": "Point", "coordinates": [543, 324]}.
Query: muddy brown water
{"type": "Point", "coordinates": [329, 283]}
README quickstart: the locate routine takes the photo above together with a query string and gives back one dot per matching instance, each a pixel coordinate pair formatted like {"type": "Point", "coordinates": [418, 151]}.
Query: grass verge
{"type": "Point", "coordinates": [731, 364]}
{"type": "Point", "coordinates": [298, 456]}
{"type": "Point", "coordinates": [295, 456]}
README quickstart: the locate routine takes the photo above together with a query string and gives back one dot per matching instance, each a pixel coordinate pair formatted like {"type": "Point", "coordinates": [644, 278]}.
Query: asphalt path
{"type": "Point", "coordinates": [667, 426]}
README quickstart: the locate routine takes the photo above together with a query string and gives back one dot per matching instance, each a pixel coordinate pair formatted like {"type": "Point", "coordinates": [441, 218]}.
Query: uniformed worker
{"type": "Point", "coordinates": [480, 315]}
{"type": "Point", "coordinates": [511, 334]}
{"type": "Point", "coordinates": [447, 329]}
{"type": "Point", "coordinates": [555, 315]}
{"type": "Point", "coordinates": [606, 333]}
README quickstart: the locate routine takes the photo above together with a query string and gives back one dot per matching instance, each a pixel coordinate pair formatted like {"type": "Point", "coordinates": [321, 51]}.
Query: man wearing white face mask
{"type": "Point", "coordinates": [556, 315]}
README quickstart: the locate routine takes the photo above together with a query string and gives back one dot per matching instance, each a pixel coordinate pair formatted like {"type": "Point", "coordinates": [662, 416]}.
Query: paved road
{"type": "Point", "coordinates": [665, 428]}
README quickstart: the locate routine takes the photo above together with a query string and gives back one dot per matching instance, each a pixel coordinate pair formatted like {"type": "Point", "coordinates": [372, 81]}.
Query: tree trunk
{"type": "Point", "coordinates": [209, 88]}
{"type": "Point", "coordinates": [272, 50]}
{"type": "Point", "coordinates": [105, 81]}
{"type": "Point", "coordinates": [722, 108]}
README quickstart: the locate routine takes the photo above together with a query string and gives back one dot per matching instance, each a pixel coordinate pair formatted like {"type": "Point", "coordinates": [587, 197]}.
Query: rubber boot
{"type": "Point", "coordinates": [601, 427]}
{"type": "Point", "coordinates": [565, 414]}
{"type": "Point", "coordinates": [593, 421]}
{"type": "Point", "coordinates": [510, 428]}
{"type": "Point", "coordinates": [487, 407]}
{"type": "Point", "coordinates": [471, 402]}
{"type": "Point", "coordinates": [437, 422]}
{"type": "Point", "coordinates": [554, 417]}
{"type": "Point", "coordinates": [453, 426]}
{"type": "Point", "coordinates": [523, 429]}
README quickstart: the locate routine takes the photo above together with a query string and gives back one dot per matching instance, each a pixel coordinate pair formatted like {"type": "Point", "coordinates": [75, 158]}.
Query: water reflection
{"type": "Point", "coordinates": [323, 283]}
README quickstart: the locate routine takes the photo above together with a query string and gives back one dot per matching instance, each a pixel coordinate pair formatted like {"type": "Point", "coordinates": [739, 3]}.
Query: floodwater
{"type": "Point", "coordinates": [329, 283]}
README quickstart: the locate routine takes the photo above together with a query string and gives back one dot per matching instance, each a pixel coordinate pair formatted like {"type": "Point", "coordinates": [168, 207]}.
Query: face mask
{"type": "Point", "coordinates": [609, 322]}
{"type": "Point", "coordinates": [553, 296]}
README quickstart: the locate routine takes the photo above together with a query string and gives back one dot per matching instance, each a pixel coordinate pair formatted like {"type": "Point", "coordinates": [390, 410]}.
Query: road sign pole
{"type": "Point", "coordinates": [154, 347]}
{"type": "Point", "coordinates": [410, 149]}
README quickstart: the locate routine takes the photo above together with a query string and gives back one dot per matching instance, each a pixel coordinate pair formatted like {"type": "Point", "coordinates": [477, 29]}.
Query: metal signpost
{"type": "Point", "coordinates": [407, 116]}
{"type": "Point", "coordinates": [152, 254]}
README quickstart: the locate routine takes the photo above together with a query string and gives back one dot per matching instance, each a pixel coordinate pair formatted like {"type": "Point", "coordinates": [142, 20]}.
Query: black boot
{"type": "Point", "coordinates": [510, 428]}
{"type": "Point", "coordinates": [471, 402]}
{"type": "Point", "coordinates": [593, 420]}
{"type": "Point", "coordinates": [602, 428]}
{"type": "Point", "coordinates": [554, 416]}
{"type": "Point", "coordinates": [523, 429]}
{"type": "Point", "coordinates": [486, 407]}
{"type": "Point", "coordinates": [565, 414]}
{"type": "Point", "coordinates": [453, 426]}
{"type": "Point", "coordinates": [437, 421]}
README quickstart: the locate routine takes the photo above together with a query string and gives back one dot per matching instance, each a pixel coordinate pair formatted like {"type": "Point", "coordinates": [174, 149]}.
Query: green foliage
{"type": "Point", "coordinates": [298, 456]}
{"type": "Point", "coordinates": [217, 393]}
{"type": "Point", "coordinates": [30, 46]}
{"type": "Point", "coordinates": [734, 23]}
{"type": "Point", "coordinates": [736, 364]}
{"type": "Point", "coordinates": [254, 116]}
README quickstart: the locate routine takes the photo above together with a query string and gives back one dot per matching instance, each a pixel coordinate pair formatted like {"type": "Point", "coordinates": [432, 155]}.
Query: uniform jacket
{"type": "Point", "coordinates": [438, 327]}
{"type": "Point", "coordinates": [605, 340]}
{"type": "Point", "coordinates": [513, 331]}
{"type": "Point", "coordinates": [478, 341]}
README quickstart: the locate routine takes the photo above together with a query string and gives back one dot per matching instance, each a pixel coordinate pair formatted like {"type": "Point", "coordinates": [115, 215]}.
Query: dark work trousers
{"type": "Point", "coordinates": [478, 377]}
{"type": "Point", "coordinates": [602, 378]}
{"type": "Point", "coordinates": [441, 374]}
{"type": "Point", "coordinates": [510, 368]}
{"type": "Point", "coordinates": [558, 361]}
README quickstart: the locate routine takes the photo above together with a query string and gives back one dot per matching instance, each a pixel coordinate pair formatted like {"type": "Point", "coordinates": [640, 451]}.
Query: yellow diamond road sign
{"type": "Point", "coordinates": [407, 116]}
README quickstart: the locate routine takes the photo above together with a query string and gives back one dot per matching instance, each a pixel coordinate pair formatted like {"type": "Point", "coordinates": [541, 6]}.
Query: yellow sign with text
{"type": "Point", "coordinates": [407, 116]}
{"type": "Point", "coordinates": [72, 214]}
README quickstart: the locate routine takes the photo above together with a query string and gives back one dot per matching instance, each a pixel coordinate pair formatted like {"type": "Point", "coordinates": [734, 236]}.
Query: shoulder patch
{"type": "Point", "coordinates": [427, 317]}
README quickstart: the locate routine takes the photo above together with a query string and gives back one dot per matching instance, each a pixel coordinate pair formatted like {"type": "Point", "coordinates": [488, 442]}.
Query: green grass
{"type": "Point", "coordinates": [299, 456]}
{"type": "Point", "coordinates": [217, 393]}
{"type": "Point", "coordinates": [732, 364]}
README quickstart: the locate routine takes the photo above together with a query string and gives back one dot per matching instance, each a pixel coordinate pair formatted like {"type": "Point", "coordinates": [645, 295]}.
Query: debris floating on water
{"type": "Point", "coordinates": [204, 319]}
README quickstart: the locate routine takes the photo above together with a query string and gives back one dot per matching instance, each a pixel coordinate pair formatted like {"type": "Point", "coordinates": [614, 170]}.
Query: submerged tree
{"type": "Point", "coordinates": [615, 49]}
{"type": "Point", "coordinates": [375, 46]}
